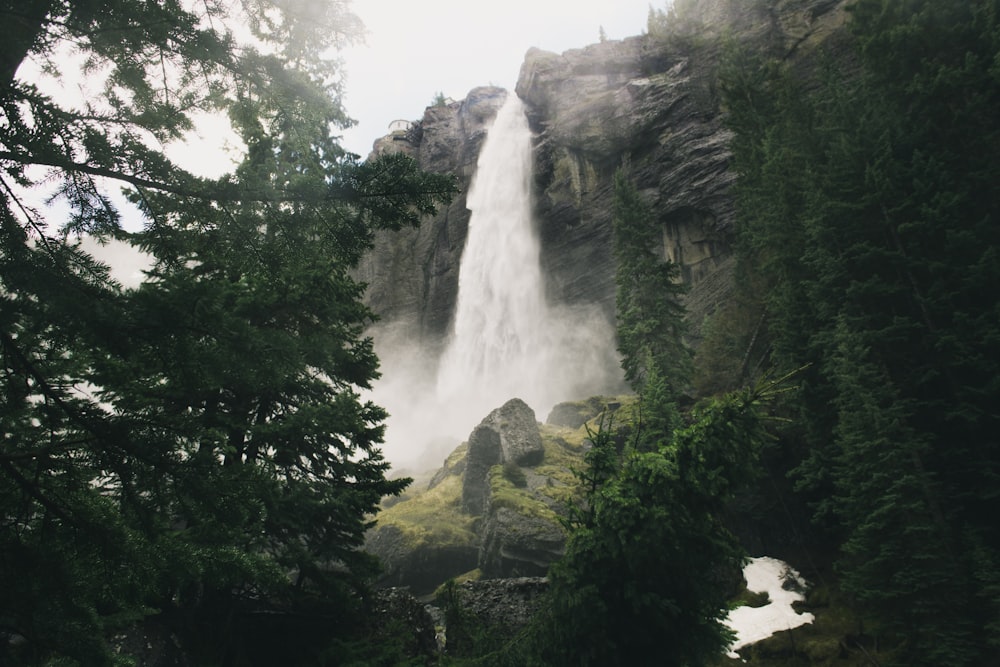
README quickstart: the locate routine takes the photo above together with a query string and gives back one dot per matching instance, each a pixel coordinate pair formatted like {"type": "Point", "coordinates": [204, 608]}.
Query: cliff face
{"type": "Point", "coordinates": [651, 102]}
{"type": "Point", "coordinates": [412, 275]}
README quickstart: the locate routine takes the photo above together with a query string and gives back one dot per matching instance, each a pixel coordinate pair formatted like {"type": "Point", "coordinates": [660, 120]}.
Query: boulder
{"type": "Point", "coordinates": [508, 435]}
{"type": "Point", "coordinates": [503, 606]}
{"type": "Point", "coordinates": [520, 440]}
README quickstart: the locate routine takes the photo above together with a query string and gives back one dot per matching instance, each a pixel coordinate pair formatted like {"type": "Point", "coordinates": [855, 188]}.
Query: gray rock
{"type": "Point", "coordinates": [653, 100]}
{"type": "Point", "coordinates": [518, 545]}
{"type": "Point", "coordinates": [484, 452]}
{"type": "Point", "coordinates": [420, 567]}
{"type": "Point", "coordinates": [506, 605]}
{"type": "Point", "coordinates": [412, 275]}
{"type": "Point", "coordinates": [574, 414]}
{"type": "Point", "coordinates": [509, 434]}
{"type": "Point", "coordinates": [520, 441]}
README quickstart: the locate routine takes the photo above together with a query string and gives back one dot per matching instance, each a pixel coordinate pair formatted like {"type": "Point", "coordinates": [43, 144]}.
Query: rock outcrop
{"type": "Point", "coordinates": [412, 275]}
{"type": "Point", "coordinates": [493, 509]}
{"type": "Point", "coordinates": [508, 436]}
{"type": "Point", "coordinates": [499, 607]}
{"type": "Point", "coordinates": [651, 104]}
{"type": "Point", "coordinates": [650, 101]}
{"type": "Point", "coordinates": [517, 544]}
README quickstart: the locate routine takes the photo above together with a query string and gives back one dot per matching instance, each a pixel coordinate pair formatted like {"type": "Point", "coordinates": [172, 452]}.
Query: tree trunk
{"type": "Point", "coordinates": [24, 22]}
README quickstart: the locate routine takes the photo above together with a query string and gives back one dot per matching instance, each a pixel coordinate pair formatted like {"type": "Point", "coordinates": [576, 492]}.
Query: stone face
{"type": "Point", "coordinates": [503, 605]}
{"type": "Point", "coordinates": [615, 102]}
{"type": "Point", "coordinates": [520, 441]}
{"type": "Point", "coordinates": [421, 568]}
{"type": "Point", "coordinates": [484, 452]}
{"type": "Point", "coordinates": [516, 545]}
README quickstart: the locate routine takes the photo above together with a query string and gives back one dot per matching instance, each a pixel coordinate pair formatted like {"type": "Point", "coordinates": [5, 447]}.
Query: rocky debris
{"type": "Point", "coordinates": [502, 605]}
{"type": "Point", "coordinates": [496, 609]}
{"type": "Point", "coordinates": [508, 435]}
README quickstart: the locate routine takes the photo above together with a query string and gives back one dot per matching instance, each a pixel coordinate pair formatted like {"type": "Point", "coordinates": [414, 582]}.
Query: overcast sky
{"type": "Point", "coordinates": [417, 48]}
{"type": "Point", "coordinates": [413, 50]}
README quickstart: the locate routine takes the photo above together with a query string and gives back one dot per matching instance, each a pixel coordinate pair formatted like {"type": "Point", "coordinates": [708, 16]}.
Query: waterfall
{"type": "Point", "coordinates": [501, 319]}
{"type": "Point", "coordinates": [506, 340]}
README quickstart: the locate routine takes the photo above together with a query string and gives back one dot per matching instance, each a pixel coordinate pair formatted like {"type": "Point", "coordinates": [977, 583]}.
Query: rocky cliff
{"type": "Point", "coordinates": [652, 101]}
{"type": "Point", "coordinates": [412, 275]}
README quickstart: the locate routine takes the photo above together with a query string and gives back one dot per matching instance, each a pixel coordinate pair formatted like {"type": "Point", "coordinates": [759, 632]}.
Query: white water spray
{"type": "Point", "coordinates": [506, 340]}
{"type": "Point", "coordinates": [501, 316]}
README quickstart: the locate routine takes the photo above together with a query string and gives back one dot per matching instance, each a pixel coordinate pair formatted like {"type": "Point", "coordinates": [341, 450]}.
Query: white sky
{"type": "Point", "coordinates": [417, 48]}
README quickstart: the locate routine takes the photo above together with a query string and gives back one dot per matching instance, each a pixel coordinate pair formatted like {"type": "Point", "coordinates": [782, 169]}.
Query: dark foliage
{"type": "Point", "coordinates": [869, 211]}
{"type": "Point", "coordinates": [194, 449]}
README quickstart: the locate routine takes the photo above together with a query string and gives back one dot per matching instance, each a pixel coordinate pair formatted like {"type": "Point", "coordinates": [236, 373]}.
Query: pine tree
{"type": "Point", "coordinates": [648, 570]}
{"type": "Point", "coordinates": [195, 448]}
{"type": "Point", "coordinates": [873, 192]}
{"type": "Point", "coordinates": [650, 313]}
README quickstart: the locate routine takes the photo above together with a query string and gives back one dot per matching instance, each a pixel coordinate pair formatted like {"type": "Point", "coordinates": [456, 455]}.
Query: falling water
{"type": "Point", "coordinates": [501, 316]}
{"type": "Point", "coordinates": [506, 340]}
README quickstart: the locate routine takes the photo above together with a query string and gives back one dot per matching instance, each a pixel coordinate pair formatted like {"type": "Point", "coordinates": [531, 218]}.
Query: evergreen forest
{"type": "Point", "coordinates": [193, 457]}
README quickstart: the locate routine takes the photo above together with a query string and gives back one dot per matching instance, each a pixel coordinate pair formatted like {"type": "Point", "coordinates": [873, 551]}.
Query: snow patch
{"type": "Point", "coordinates": [752, 624]}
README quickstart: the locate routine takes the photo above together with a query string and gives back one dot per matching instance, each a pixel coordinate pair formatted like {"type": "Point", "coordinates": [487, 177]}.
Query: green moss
{"type": "Point", "coordinates": [504, 494]}
{"type": "Point", "coordinates": [515, 475]}
{"type": "Point", "coordinates": [456, 456]}
{"type": "Point", "coordinates": [471, 575]}
{"type": "Point", "coordinates": [435, 517]}
{"type": "Point", "coordinates": [432, 517]}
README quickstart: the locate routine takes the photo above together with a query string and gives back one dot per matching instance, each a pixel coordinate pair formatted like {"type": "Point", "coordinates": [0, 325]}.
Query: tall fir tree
{"type": "Point", "coordinates": [648, 304]}
{"type": "Point", "coordinates": [196, 449]}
